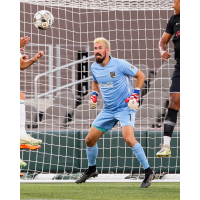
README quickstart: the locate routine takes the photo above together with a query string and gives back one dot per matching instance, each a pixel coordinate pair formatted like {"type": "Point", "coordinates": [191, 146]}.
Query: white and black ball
{"type": "Point", "coordinates": [43, 20]}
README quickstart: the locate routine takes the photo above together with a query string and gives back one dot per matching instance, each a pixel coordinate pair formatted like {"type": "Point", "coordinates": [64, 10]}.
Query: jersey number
{"type": "Point", "coordinates": [130, 117]}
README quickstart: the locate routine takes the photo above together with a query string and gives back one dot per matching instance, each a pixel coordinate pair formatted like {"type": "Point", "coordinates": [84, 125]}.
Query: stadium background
{"type": "Point", "coordinates": [80, 27]}
{"type": "Point", "coordinates": [135, 40]}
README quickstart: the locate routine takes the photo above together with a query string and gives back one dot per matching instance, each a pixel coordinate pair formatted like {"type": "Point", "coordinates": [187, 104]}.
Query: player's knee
{"type": "Point", "coordinates": [22, 96]}
{"type": "Point", "coordinates": [174, 103]}
{"type": "Point", "coordinates": [129, 141]}
{"type": "Point", "coordinates": [89, 142]}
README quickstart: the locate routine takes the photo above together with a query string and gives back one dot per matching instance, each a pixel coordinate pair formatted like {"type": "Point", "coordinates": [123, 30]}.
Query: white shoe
{"type": "Point", "coordinates": [30, 140]}
{"type": "Point", "coordinates": [22, 163]}
{"type": "Point", "coordinates": [164, 152]}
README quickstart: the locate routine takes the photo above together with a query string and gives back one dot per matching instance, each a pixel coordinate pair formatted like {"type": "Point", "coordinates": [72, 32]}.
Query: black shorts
{"type": "Point", "coordinates": [175, 81]}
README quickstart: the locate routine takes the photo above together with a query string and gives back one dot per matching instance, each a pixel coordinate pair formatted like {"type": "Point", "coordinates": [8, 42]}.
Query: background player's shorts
{"type": "Point", "coordinates": [175, 81]}
{"type": "Point", "coordinates": [108, 119]}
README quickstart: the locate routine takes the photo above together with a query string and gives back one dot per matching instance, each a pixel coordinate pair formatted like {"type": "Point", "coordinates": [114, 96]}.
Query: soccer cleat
{"type": "Point", "coordinates": [30, 140]}
{"type": "Point", "coordinates": [21, 174]}
{"type": "Point", "coordinates": [164, 152]}
{"type": "Point", "coordinates": [86, 175]}
{"type": "Point", "coordinates": [147, 180]}
{"type": "Point", "coordinates": [22, 163]}
{"type": "Point", "coordinates": [29, 146]}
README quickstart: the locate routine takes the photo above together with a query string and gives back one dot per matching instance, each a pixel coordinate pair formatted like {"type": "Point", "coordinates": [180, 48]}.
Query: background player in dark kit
{"type": "Point", "coordinates": [173, 28]}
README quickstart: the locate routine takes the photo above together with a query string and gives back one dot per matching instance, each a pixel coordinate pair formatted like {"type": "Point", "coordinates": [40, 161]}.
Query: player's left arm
{"type": "Point", "coordinates": [140, 79]}
{"type": "Point", "coordinates": [26, 64]}
{"type": "Point", "coordinates": [130, 70]}
{"type": "Point", "coordinates": [133, 99]}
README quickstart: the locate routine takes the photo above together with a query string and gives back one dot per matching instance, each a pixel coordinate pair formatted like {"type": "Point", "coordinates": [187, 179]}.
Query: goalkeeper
{"type": "Point", "coordinates": [111, 77]}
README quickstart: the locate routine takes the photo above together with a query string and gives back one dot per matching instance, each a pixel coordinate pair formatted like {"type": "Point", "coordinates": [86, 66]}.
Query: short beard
{"type": "Point", "coordinates": [100, 60]}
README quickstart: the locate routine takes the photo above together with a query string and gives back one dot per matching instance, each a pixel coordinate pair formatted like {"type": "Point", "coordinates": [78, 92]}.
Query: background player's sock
{"type": "Point", "coordinates": [167, 140]}
{"type": "Point", "coordinates": [139, 153]}
{"type": "Point", "coordinates": [92, 153]}
{"type": "Point", "coordinates": [169, 123]}
{"type": "Point", "coordinates": [22, 119]}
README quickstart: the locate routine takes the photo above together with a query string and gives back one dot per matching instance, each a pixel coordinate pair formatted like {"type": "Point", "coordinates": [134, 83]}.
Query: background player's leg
{"type": "Point", "coordinates": [171, 117]}
{"type": "Point", "coordinates": [22, 115]}
{"type": "Point", "coordinates": [24, 137]}
{"type": "Point", "coordinates": [169, 124]}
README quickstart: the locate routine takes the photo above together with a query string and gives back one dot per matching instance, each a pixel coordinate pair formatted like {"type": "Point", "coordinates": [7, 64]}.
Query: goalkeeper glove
{"type": "Point", "coordinates": [133, 99]}
{"type": "Point", "coordinates": [93, 100]}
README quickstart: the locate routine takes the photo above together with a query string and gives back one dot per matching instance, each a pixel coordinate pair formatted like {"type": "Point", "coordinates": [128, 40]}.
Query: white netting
{"type": "Point", "coordinates": [107, 5]}
{"type": "Point", "coordinates": [57, 108]}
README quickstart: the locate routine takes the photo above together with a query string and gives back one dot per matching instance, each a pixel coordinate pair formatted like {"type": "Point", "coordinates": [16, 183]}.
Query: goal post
{"type": "Point", "coordinates": [59, 85]}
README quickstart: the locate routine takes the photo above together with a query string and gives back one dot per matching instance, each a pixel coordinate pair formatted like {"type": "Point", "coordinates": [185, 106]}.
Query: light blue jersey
{"type": "Point", "coordinates": [114, 82]}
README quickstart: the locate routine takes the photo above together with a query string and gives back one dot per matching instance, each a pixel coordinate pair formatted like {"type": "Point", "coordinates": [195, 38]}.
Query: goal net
{"type": "Point", "coordinates": [59, 85]}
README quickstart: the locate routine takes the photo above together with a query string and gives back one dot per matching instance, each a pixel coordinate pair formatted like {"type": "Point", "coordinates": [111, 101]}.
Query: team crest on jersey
{"type": "Point", "coordinates": [112, 74]}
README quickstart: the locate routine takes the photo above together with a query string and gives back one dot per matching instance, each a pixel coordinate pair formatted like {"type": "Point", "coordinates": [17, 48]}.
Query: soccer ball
{"type": "Point", "coordinates": [43, 20]}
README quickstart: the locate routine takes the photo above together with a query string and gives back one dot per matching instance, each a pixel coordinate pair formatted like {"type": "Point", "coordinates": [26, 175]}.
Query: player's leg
{"type": "Point", "coordinates": [92, 151]}
{"type": "Point", "coordinates": [91, 146]}
{"type": "Point", "coordinates": [24, 137]}
{"type": "Point", "coordinates": [127, 120]}
{"type": "Point", "coordinates": [104, 122]}
{"type": "Point", "coordinates": [129, 137]}
{"type": "Point", "coordinates": [171, 116]}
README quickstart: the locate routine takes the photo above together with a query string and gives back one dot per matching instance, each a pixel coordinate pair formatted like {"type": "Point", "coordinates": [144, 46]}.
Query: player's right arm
{"type": "Point", "coordinates": [26, 64]}
{"type": "Point", "coordinates": [95, 93]}
{"type": "Point", "coordinates": [95, 86]}
{"type": "Point", "coordinates": [162, 45]}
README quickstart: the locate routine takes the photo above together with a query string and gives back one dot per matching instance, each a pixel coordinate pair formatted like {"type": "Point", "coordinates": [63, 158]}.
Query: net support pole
{"type": "Point", "coordinates": [50, 69]}
{"type": "Point", "coordinates": [57, 66]}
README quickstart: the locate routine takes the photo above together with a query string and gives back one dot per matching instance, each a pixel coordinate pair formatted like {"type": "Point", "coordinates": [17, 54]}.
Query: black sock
{"type": "Point", "coordinates": [92, 168]}
{"type": "Point", "coordinates": [170, 122]}
{"type": "Point", "coordinates": [148, 170]}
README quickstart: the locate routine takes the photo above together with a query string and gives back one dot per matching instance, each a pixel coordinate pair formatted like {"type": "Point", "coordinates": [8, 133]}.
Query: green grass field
{"type": "Point", "coordinates": [101, 191]}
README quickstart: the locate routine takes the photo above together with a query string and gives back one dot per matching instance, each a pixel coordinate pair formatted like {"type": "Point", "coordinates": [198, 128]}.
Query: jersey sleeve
{"type": "Point", "coordinates": [170, 28]}
{"type": "Point", "coordinates": [94, 79]}
{"type": "Point", "coordinates": [127, 68]}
